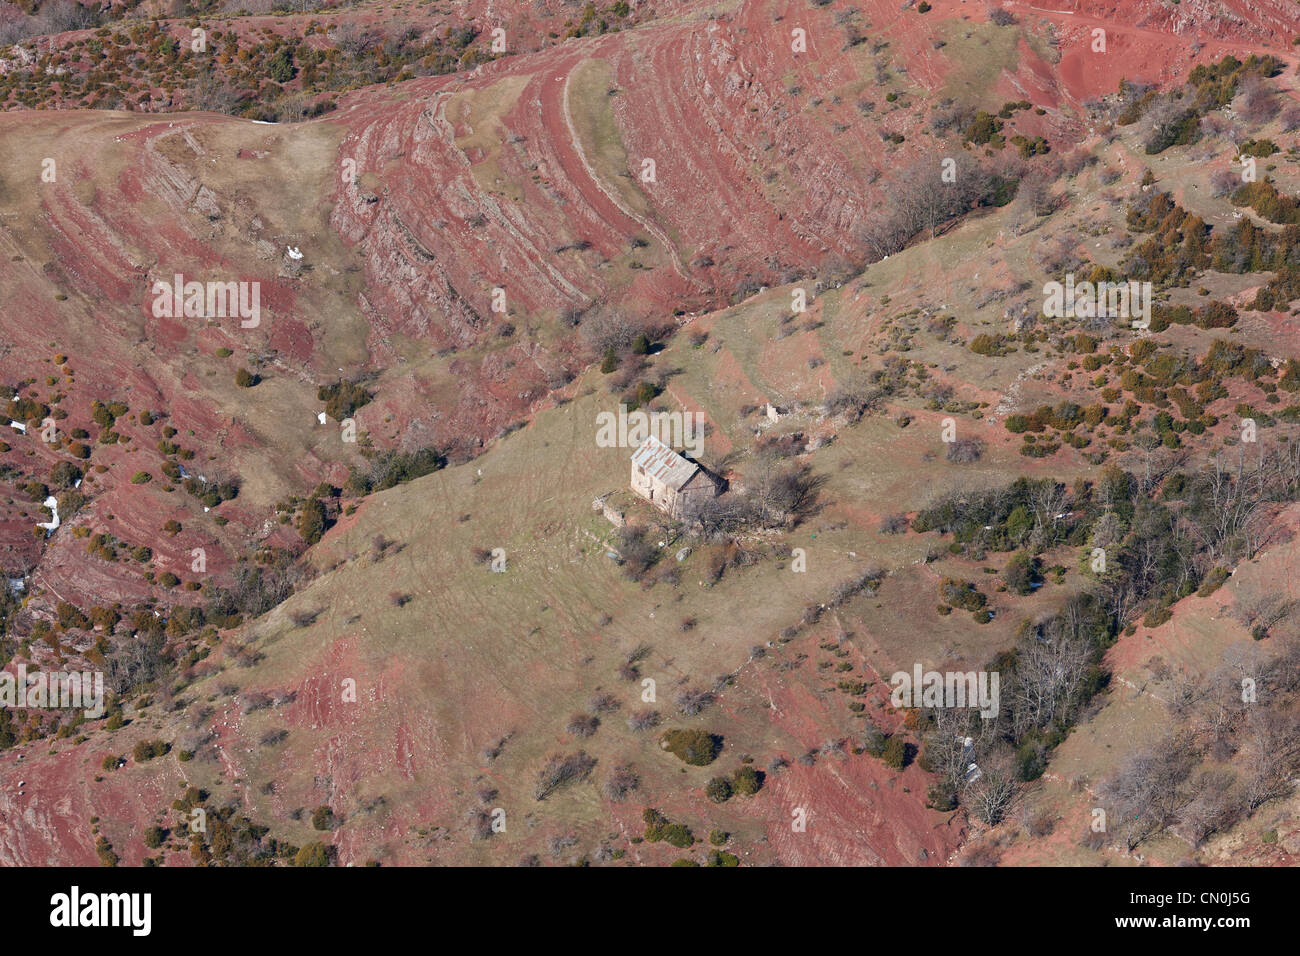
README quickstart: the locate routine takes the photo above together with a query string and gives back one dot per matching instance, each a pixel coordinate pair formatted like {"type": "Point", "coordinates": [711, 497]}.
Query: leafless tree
{"type": "Point", "coordinates": [921, 197]}
{"type": "Point", "coordinates": [1216, 803]}
{"type": "Point", "coordinates": [1219, 712]}
{"type": "Point", "coordinates": [1257, 102]}
{"type": "Point", "coordinates": [209, 91]}
{"type": "Point", "coordinates": [1147, 792]}
{"type": "Point", "coordinates": [989, 796]}
{"type": "Point", "coordinates": [607, 329]}
{"type": "Point", "coordinates": [1035, 195]}
{"type": "Point", "coordinates": [691, 701]}
{"type": "Point", "coordinates": [1046, 500]}
{"type": "Point", "coordinates": [582, 725]}
{"type": "Point", "coordinates": [1223, 182]}
{"type": "Point", "coordinates": [853, 397]}
{"type": "Point", "coordinates": [1271, 748]}
{"type": "Point", "coordinates": [965, 450]}
{"type": "Point", "coordinates": [620, 783]}
{"type": "Point", "coordinates": [560, 770]}
{"type": "Point", "coordinates": [945, 748]}
{"type": "Point", "coordinates": [1050, 668]}
{"type": "Point", "coordinates": [59, 16]}
{"type": "Point", "coordinates": [646, 718]}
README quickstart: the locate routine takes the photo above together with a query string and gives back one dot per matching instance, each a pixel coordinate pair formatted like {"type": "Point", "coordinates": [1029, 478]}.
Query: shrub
{"type": "Point", "coordinates": [621, 783]}
{"type": "Point", "coordinates": [962, 594]}
{"type": "Point", "coordinates": [104, 850]}
{"type": "Point", "coordinates": [343, 398]}
{"type": "Point", "coordinates": [893, 524]}
{"type": "Point", "coordinates": [582, 725]}
{"type": "Point", "coordinates": [658, 828]}
{"type": "Point", "coordinates": [895, 753]}
{"type": "Point", "coordinates": [1157, 616]}
{"type": "Point", "coordinates": [562, 770]}
{"type": "Point", "coordinates": [718, 790]}
{"type": "Point", "coordinates": [695, 747]}
{"type": "Point", "coordinates": [311, 521]}
{"type": "Point", "coordinates": [1020, 574]}
{"type": "Point", "coordinates": [313, 854]}
{"type": "Point", "coordinates": [644, 719]}
{"type": "Point", "coordinates": [747, 781]}
{"type": "Point", "coordinates": [983, 128]}
{"type": "Point", "coordinates": [322, 818]}
{"type": "Point", "coordinates": [965, 450]}
{"type": "Point", "coordinates": [146, 750]}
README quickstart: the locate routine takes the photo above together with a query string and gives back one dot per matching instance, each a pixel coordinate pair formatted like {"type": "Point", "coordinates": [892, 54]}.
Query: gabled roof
{"type": "Point", "coordinates": [663, 464]}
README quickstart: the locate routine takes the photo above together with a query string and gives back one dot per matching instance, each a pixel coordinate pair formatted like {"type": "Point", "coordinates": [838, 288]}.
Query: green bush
{"type": "Point", "coordinates": [1021, 574]}
{"type": "Point", "coordinates": [896, 753]}
{"type": "Point", "coordinates": [747, 781]}
{"type": "Point", "coordinates": [343, 398]}
{"type": "Point", "coordinates": [313, 854]}
{"type": "Point", "coordinates": [695, 747]}
{"type": "Point", "coordinates": [146, 750]}
{"type": "Point", "coordinates": [322, 818]}
{"type": "Point", "coordinates": [311, 521]}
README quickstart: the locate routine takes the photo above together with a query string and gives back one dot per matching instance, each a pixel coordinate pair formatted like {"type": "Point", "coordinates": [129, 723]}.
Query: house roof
{"type": "Point", "coordinates": [663, 464]}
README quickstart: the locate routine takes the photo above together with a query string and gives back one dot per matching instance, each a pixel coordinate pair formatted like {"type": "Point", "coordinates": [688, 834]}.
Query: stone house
{"type": "Point", "coordinates": [671, 481]}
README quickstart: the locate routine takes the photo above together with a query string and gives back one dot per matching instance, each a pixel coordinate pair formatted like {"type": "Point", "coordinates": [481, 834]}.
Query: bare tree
{"type": "Point", "coordinates": [60, 16]}
{"type": "Point", "coordinates": [620, 783]}
{"type": "Point", "coordinates": [1224, 181]}
{"type": "Point", "coordinates": [1256, 101]}
{"type": "Point", "coordinates": [945, 747]}
{"type": "Point", "coordinates": [1050, 669]}
{"type": "Point", "coordinates": [989, 795]}
{"type": "Point", "coordinates": [1271, 748]}
{"type": "Point", "coordinates": [607, 330]}
{"type": "Point", "coordinates": [1216, 803]}
{"type": "Point", "coordinates": [1147, 791]}
{"type": "Point", "coordinates": [965, 450]}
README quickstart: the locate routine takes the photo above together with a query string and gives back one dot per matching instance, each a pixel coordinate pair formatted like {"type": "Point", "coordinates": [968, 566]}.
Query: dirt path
{"type": "Point", "coordinates": [1125, 29]}
{"type": "Point", "coordinates": [554, 102]}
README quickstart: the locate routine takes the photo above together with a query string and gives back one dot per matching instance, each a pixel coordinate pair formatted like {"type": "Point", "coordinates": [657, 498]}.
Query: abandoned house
{"type": "Point", "coordinates": [671, 481]}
